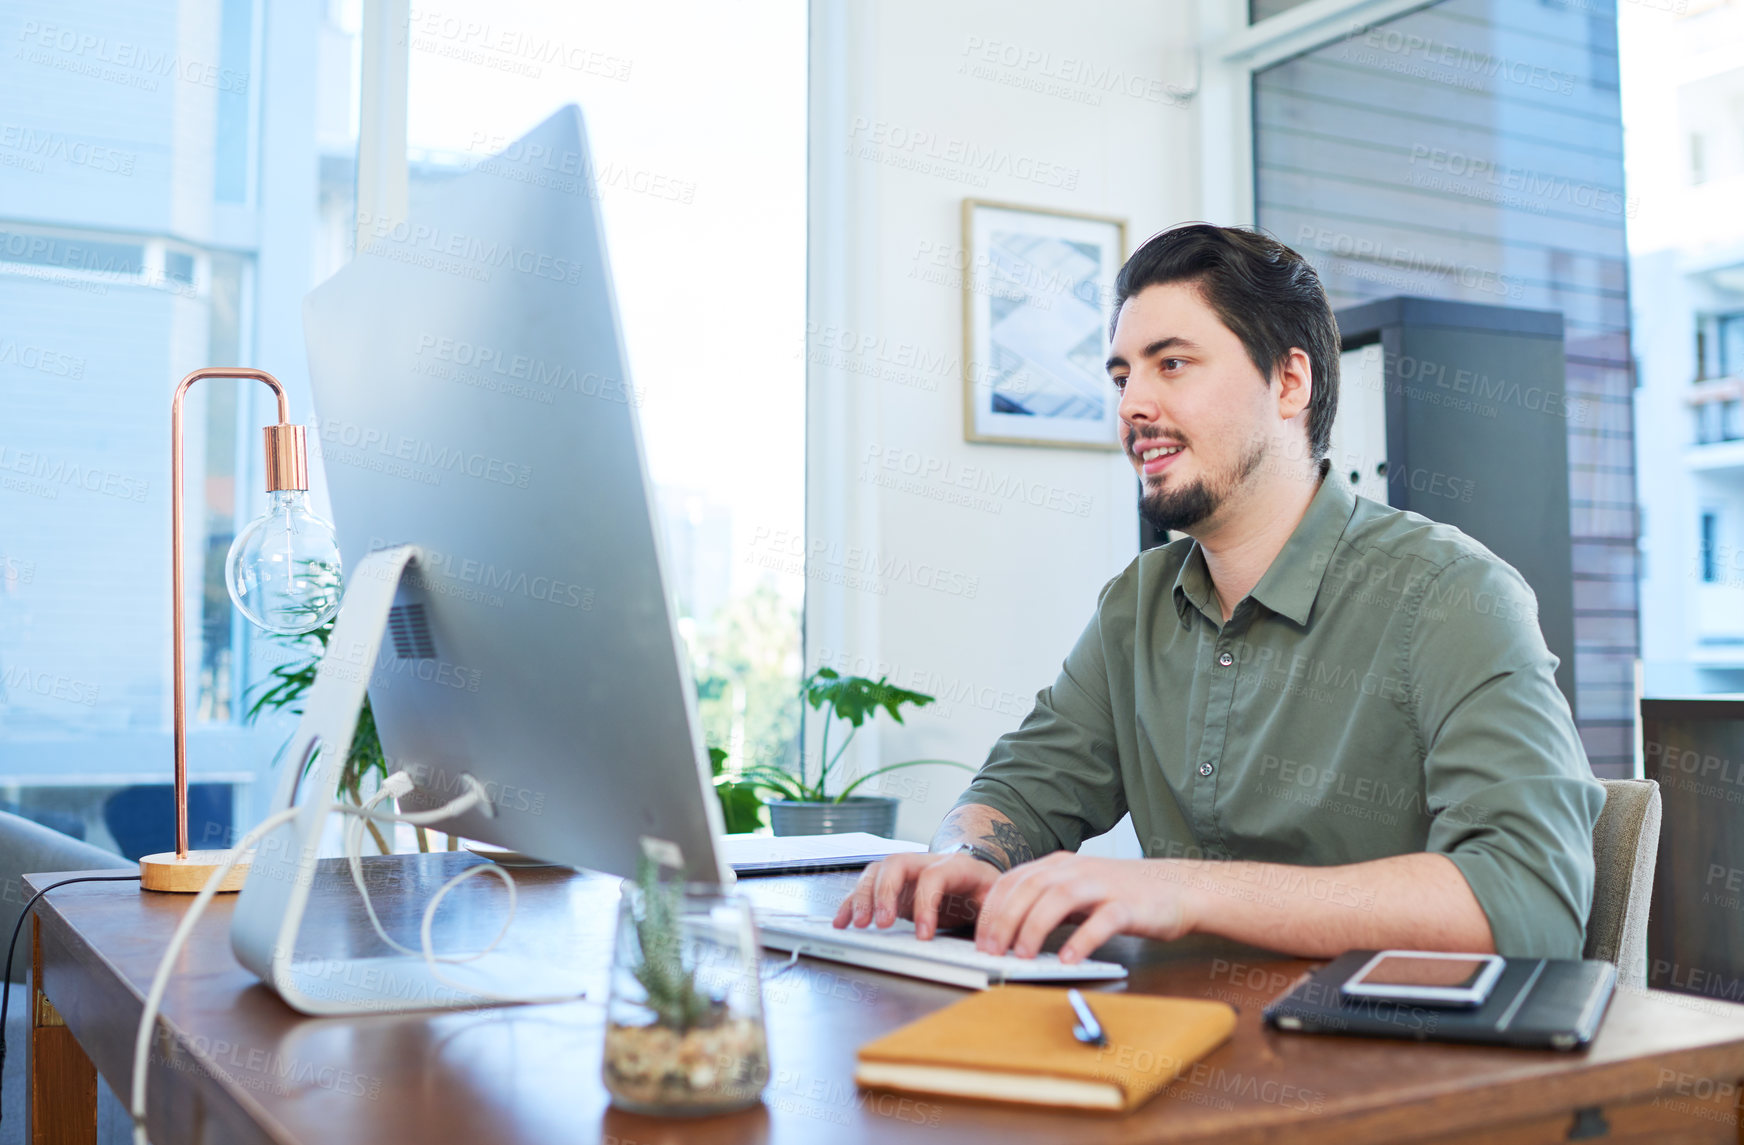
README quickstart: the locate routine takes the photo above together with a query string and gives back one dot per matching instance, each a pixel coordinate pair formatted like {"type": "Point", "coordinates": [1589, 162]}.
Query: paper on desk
{"type": "Point", "coordinates": [771, 851]}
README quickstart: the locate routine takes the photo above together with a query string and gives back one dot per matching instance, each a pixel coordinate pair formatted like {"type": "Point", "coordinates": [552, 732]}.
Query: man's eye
{"type": "Point", "coordinates": [1174, 363]}
{"type": "Point", "coordinates": [1119, 382]}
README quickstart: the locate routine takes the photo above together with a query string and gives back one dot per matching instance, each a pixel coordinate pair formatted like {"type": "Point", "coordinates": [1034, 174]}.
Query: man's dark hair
{"type": "Point", "coordinates": [1266, 293]}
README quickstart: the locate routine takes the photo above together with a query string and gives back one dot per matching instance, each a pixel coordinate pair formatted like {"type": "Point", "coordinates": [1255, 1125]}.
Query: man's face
{"type": "Point", "coordinates": [1197, 417]}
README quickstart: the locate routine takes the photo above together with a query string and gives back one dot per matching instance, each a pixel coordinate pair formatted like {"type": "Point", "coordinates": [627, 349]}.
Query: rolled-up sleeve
{"type": "Point", "coordinates": [1057, 777]}
{"type": "Point", "coordinates": [1512, 798]}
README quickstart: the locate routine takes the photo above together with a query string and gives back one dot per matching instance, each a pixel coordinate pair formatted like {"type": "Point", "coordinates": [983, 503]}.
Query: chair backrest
{"type": "Point", "coordinates": [1625, 849]}
{"type": "Point", "coordinates": [142, 818]}
{"type": "Point", "coordinates": [27, 848]}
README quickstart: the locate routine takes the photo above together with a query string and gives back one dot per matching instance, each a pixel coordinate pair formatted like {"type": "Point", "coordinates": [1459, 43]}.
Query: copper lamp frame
{"type": "Point", "coordinates": [287, 467]}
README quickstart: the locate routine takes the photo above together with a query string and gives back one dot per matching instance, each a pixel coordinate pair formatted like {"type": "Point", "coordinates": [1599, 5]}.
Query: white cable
{"type": "Point", "coordinates": [397, 784]}
{"type": "Point", "coordinates": [160, 982]}
{"type": "Point", "coordinates": [792, 961]}
{"type": "Point", "coordinates": [429, 950]}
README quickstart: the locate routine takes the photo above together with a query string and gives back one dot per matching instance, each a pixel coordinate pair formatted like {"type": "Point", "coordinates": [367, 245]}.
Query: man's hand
{"type": "Point", "coordinates": [1110, 896]}
{"type": "Point", "coordinates": [1418, 901]}
{"type": "Point", "coordinates": [931, 889]}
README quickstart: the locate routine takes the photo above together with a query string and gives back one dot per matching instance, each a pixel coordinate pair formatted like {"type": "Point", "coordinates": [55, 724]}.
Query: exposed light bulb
{"type": "Point", "coordinates": [283, 570]}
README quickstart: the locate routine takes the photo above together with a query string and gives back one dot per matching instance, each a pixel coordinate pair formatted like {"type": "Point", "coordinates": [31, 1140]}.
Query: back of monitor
{"type": "Point", "coordinates": [473, 406]}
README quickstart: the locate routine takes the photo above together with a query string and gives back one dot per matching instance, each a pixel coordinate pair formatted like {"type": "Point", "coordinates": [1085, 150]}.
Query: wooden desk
{"type": "Point", "coordinates": [241, 1066]}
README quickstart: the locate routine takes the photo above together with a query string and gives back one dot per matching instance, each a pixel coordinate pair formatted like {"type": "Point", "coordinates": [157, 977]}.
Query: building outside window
{"type": "Point", "coordinates": [1683, 108]}
{"type": "Point", "coordinates": [138, 242]}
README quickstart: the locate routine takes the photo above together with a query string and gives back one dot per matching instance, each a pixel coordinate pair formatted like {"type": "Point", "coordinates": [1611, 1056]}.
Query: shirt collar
{"type": "Point", "coordinates": [1193, 586]}
{"type": "Point", "coordinates": [1290, 586]}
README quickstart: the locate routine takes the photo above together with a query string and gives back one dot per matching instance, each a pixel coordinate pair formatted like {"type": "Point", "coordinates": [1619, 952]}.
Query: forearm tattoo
{"type": "Point", "coordinates": [1000, 835]}
{"type": "Point", "coordinates": [1004, 835]}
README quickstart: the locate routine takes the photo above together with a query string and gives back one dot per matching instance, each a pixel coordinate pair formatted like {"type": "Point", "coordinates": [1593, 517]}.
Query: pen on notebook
{"type": "Point", "coordinates": [1086, 1029]}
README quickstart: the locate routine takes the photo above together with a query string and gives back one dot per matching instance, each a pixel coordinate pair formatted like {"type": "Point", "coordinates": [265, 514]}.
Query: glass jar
{"type": "Point", "coordinates": [684, 1019]}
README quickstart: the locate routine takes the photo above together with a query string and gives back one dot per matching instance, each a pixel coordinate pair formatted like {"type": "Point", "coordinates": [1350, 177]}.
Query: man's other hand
{"type": "Point", "coordinates": [933, 890]}
{"type": "Point", "coordinates": [1105, 896]}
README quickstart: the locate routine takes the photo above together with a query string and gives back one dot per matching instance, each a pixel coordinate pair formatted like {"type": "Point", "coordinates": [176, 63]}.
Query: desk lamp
{"type": "Point", "coordinates": [283, 573]}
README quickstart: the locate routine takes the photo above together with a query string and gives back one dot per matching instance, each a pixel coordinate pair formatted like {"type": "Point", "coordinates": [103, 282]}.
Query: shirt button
{"type": "Point", "coordinates": [1205, 768]}
{"type": "Point", "coordinates": [1225, 659]}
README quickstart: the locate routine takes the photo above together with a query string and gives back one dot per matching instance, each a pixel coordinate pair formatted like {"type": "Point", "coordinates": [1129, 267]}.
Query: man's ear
{"type": "Point", "coordinates": [1295, 383]}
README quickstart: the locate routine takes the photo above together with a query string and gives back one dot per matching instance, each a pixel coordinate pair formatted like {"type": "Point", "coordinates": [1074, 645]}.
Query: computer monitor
{"type": "Point", "coordinates": [473, 398]}
{"type": "Point", "coordinates": [474, 415]}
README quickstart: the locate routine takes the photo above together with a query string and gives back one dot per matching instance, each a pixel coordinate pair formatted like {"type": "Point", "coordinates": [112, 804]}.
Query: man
{"type": "Point", "coordinates": [1335, 724]}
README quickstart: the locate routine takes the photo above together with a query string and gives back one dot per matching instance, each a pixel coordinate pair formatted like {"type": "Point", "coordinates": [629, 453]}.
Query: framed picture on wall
{"type": "Point", "coordinates": [1037, 289]}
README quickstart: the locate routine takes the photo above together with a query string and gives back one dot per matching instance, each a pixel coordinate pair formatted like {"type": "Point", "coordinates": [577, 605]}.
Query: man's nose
{"type": "Point", "coordinates": [1138, 403]}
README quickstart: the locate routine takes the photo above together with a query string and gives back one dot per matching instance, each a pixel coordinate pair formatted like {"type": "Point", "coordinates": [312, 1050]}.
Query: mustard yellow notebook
{"type": "Point", "coordinates": [1015, 1043]}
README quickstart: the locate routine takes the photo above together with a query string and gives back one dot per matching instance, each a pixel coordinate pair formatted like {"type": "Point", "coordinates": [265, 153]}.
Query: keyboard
{"type": "Point", "coordinates": [942, 958]}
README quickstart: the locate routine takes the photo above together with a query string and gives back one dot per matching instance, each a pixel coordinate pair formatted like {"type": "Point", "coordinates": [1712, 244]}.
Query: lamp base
{"type": "Point", "coordinates": [187, 874]}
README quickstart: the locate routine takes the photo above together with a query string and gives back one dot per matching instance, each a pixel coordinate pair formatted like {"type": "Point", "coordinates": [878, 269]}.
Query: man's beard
{"type": "Point", "coordinates": [1175, 510]}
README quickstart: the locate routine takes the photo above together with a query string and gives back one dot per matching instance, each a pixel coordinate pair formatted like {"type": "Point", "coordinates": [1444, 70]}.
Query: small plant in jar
{"type": "Point", "coordinates": [684, 1024]}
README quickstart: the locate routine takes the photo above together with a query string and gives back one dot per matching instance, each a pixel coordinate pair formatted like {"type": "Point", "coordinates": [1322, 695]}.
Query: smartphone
{"type": "Point", "coordinates": [1427, 978]}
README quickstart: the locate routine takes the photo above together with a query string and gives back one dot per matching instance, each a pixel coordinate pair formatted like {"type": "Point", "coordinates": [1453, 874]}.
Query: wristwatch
{"type": "Point", "coordinates": [976, 851]}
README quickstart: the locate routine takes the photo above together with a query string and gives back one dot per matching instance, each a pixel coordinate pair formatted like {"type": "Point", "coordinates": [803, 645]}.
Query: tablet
{"type": "Point", "coordinates": [1537, 1003]}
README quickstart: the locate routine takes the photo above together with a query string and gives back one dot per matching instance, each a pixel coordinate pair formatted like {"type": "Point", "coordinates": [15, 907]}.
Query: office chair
{"type": "Point", "coordinates": [1625, 849]}
{"type": "Point", "coordinates": [142, 818]}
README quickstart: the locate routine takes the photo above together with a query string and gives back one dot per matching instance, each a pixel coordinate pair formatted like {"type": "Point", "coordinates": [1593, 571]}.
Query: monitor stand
{"type": "Point", "coordinates": [269, 911]}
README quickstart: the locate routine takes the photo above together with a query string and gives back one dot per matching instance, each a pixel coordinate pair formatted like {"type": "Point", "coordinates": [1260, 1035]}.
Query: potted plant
{"type": "Point", "coordinates": [805, 805]}
{"type": "Point", "coordinates": [684, 1018]}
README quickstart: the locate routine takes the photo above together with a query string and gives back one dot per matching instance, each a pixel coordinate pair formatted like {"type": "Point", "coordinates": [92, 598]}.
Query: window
{"type": "Point", "coordinates": [1710, 545]}
{"type": "Point", "coordinates": [1707, 416]}
{"type": "Point", "coordinates": [1719, 345]}
{"type": "Point", "coordinates": [134, 251]}
{"type": "Point", "coordinates": [136, 248]}
{"type": "Point", "coordinates": [1258, 10]}
{"type": "Point", "coordinates": [701, 221]}
{"type": "Point", "coordinates": [1471, 151]}
{"type": "Point", "coordinates": [1729, 342]}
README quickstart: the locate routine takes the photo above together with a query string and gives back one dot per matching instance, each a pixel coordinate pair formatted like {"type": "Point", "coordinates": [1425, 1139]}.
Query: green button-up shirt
{"type": "Point", "coordinates": [1383, 690]}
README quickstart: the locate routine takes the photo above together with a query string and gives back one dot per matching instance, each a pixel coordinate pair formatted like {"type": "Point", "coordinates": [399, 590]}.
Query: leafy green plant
{"type": "Point", "coordinates": [285, 689]}
{"type": "Point", "coordinates": [853, 699]}
{"type": "Point", "coordinates": [741, 799]}
{"type": "Point", "coordinates": [673, 994]}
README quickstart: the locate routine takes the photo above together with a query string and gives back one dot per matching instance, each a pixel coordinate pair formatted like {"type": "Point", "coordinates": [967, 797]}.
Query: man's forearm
{"type": "Point", "coordinates": [1413, 902]}
{"type": "Point", "coordinates": [982, 825]}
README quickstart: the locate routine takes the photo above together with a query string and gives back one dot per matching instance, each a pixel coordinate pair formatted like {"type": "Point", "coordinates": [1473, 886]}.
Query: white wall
{"type": "Point", "coordinates": [1019, 583]}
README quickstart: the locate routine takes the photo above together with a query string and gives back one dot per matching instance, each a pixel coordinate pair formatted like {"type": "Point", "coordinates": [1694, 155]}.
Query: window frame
{"type": "Point", "coordinates": [384, 92]}
{"type": "Point", "coordinates": [1233, 51]}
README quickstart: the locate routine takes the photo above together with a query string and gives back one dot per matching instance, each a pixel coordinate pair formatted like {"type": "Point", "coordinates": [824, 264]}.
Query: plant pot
{"type": "Point", "coordinates": [875, 814]}
{"type": "Point", "coordinates": [716, 1059]}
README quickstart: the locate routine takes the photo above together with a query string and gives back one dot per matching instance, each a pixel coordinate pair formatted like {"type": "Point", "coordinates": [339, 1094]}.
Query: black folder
{"type": "Point", "coordinates": [1543, 1003]}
